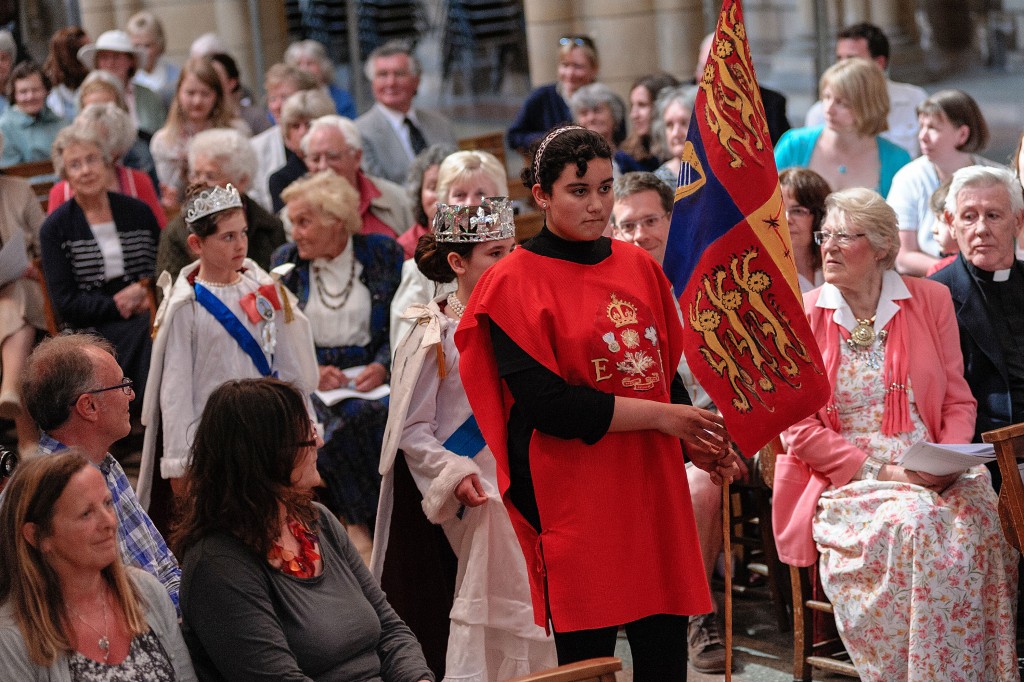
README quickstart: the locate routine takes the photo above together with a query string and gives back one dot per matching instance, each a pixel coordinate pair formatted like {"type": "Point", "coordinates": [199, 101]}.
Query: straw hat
{"type": "Point", "coordinates": [110, 41]}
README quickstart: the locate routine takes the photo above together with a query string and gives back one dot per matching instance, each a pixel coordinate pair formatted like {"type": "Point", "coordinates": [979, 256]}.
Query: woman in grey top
{"type": "Point", "coordinates": [272, 589]}
{"type": "Point", "coordinates": [69, 610]}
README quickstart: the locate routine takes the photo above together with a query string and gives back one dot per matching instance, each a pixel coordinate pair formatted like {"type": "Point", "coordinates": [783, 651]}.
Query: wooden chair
{"type": "Point", "coordinates": [810, 607]}
{"type": "Point", "coordinates": [493, 143]}
{"type": "Point", "coordinates": [754, 539]}
{"type": "Point", "coordinates": [1009, 445]}
{"type": "Point", "coordinates": [40, 175]}
{"type": "Point", "coordinates": [592, 670]}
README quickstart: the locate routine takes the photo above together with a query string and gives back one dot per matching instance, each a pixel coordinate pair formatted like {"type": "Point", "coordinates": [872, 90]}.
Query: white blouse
{"type": "Point", "coordinates": [349, 324]}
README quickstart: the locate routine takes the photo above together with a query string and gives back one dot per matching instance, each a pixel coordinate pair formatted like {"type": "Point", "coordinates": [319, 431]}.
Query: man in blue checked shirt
{"type": "Point", "coordinates": [78, 396]}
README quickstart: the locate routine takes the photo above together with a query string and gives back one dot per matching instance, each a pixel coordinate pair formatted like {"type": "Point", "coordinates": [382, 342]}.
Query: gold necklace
{"type": "Point", "coordinates": [104, 641]}
{"type": "Point", "coordinates": [863, 335]}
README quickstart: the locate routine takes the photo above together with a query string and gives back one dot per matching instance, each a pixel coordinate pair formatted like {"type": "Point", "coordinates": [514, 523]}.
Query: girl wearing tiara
{"type": "Point", "coordinates": [224, 319]}
{"type": "Point", "coordinates": [432, 435]}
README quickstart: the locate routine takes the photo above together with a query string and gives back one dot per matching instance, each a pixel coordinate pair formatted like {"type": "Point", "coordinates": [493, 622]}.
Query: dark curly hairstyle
{"type": "Point", "coordinates": [25, 70]}
{"type": "Point", "coordinates": [250, 435]}
{"type": "Point", "coordinates": [432, 257]}
{"type": "Point", "coordinates": [575, 145]}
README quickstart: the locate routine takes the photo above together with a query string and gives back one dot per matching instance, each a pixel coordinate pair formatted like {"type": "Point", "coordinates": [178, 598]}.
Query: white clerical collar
{"type": "Point", "coordinates": [1001, 275]}
{"type": "Point", "coordinates": [893, 290]}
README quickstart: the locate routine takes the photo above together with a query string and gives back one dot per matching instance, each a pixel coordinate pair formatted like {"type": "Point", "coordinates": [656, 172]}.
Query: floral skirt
{"type": "Point", "coordinates": [923, 585]}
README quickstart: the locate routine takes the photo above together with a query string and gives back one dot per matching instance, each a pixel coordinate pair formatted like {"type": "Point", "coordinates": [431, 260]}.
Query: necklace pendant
{"type": "Point", "coordinates": [863, 334]}
{"type": "Point", "coordinates": [104, 645]}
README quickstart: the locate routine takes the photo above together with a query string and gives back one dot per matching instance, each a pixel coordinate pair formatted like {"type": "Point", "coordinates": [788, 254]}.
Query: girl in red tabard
{"type": "Point", "coordinates": [568, 355]}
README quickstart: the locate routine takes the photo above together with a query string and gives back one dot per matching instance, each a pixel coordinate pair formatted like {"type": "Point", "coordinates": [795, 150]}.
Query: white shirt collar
{"type": "Point", "coordinates": [893, 290]}
{"type": "Point", "coordinates": [397, 118]}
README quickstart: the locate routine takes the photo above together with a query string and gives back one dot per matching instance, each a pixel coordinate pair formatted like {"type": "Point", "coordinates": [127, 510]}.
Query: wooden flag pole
{"type": "Point", "coordinates": [727, 548]}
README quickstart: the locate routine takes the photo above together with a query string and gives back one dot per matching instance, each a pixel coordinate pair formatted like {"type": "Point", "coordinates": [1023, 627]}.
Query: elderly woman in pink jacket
{"type": "Point", "coordinates": [922, 580]}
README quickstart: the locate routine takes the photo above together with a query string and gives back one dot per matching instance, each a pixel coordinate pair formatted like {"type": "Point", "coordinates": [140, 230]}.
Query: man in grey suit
{"type": "Point", "coordinates": [393, 130]}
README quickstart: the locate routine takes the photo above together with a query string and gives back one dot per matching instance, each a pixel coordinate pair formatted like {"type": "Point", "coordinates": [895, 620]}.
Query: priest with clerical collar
{"type": "Point", "coordinates": [985, 214]}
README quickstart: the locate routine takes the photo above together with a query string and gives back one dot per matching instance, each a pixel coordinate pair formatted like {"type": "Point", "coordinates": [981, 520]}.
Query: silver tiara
{"type": "Point", "coordinates": [489, 221]}
{"type": "Point", "coordinates": [211, 201]}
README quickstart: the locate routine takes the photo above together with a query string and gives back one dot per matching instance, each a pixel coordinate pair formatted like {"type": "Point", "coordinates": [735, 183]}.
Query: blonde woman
{"type": "Point", "coordinates": [848, 150]}
{"type": "Point", "coordinates": [69, 609]}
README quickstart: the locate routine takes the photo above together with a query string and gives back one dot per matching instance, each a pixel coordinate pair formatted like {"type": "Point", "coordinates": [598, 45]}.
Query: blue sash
{"type": "Point", "coordinates": [233, 326]}
{"type": "Point", "coordinates": [467, 440]}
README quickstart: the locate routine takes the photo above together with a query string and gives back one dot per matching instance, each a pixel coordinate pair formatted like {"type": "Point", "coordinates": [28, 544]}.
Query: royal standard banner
{"type": "Point", "coordinates": [729, 256]}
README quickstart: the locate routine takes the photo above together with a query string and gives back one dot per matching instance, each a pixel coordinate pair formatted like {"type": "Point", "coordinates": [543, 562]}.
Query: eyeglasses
{"type": "Point", "coordinates": [127, 386]}
{"type": "Point", "coordinates": [328, 157]}
{"type": "Point", "coordinates": [578, 41]}
{"type": "Point", "coordinates": [841, 238]}
{"type": "Point", "coordinates": [647, 223]}
{"type": "Point", "coordinates": [798, 212]}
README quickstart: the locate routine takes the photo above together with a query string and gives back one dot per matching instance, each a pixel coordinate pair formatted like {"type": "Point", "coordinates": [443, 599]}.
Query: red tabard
{"type": "Point", "coordinates": [619, 540]}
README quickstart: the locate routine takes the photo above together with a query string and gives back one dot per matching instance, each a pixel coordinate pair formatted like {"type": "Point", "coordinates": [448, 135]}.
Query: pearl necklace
{"type": "Point", "coordinates": [456, 305]}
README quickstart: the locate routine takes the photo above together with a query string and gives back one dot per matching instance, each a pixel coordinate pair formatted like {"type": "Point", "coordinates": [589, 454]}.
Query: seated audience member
{"type": "Point", "coordinates": [114, 52]}
{"type": "Point", "coordinates": [948, 248]}
{"type": "Point", "coordinates": [803, 197]}
{"type": "Point", "coordinates": [282, 82]}
{"type": "Point", "coordinates": [548, 106]}
{"type": "Point", "coordinates": [116, 129]}
{"type": "Point", "coordinates": [464, 177]}
{"type": "Point", "coordinates": [641, 215]}
{"type": "Point", "coordinates": [393, 130]}
{"type": "Point", "coordinates": [491, 635]}
{"type": "Point", "coordinates": [848, 150]}
{"type": "Point", "coordinates": [774, 102]}
{"type": "Point", "coordinates": [595, 107]}
{"type": "Point", "coordinates": [28, 125]}
{"type": "Point", "coordinates": [154, 71]}
{"type": "Point", "coordinates": [272, 587]}
{"type": "Point", "coordinates": [8, 52]}
{"type": "Point", "coordinates": [69, 609]}
{"type": "Point", "coordinates": [21, 300]}
{"type": "Point", "coordinates": [345, 281]}
{"type": "Point", "coordinates": [100, 87]}
{"type": "Point", "coordinates": [890, 348]}
{"type": "Point", "coordinates": [97, 247]}
{"type": "Point", "coordinates": [333, 143]}
{"type": "Point", "coordinates": [867, 41]}
{"type": "Point", "coordinates": [636, 153]}
{"type": "Point", "coordinates": [985, 213]}
{"type": "Point", "coordinates": [223, 304]}
{"type": "Point", "coordinates": [237, 96]}
{"type": "Point", "coordinates": [78, 396]}
{"type": "Point", "coordinates": [220, 157]}
{"type": "Point", "coordinates": [198, 105]}
{"type": "Point", "coordinates": [311, 57]}
{"type": "Point", "coordinates": [952, 129]}
{"type": "Point", "coordinates": [671, 124]}
{"type": "Point", "coordinates": [64, 70]}
{"type": "Point", "coordinates": [421, 186]}
{"type": "Point", "coordinates": [298, 112]}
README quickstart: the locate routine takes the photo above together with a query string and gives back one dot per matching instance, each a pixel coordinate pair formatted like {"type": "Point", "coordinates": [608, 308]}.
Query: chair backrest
{"type": "Point", "coordinates": [766, 460]}
{"type": "Point", "coordinates": [40, 175]}
{"type": "Point", "coordinates": [1009, 445]}
{"type": "Point", "coordinates": [592, 670]}
{"type": "Point", "coordinates": [488, 142]}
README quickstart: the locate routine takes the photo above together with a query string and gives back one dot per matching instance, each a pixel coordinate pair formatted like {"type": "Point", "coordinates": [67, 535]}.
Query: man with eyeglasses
{"type": "Point", "coordinates": [641, 215]}
{"type": "Point", "coordinates": [78, 396]}
{"type": "Point", "coordinates": [985, 214]}
{"type": "Point", "coordinates": [393, 130]}
{"type": "Point", "coordinates": [334, 143]}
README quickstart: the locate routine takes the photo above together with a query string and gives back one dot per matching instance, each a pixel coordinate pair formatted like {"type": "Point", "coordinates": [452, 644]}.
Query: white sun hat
{"type": "Point", "coordinates": [111, 41]}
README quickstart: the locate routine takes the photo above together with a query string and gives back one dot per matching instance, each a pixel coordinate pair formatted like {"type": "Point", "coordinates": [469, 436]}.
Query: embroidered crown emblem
{"type": "Point", "coordinates": [212, 201]}
{"type": "Point", "coordinates": [621, 313]}
{"type": "Point", "coordinates": [490, 221]}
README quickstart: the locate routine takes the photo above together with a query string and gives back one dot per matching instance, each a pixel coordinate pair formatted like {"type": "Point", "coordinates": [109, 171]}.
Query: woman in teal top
{"type": "Point", "coordinates": [847, 151]}
{"type": "Point", "coordinates": [28, 126]}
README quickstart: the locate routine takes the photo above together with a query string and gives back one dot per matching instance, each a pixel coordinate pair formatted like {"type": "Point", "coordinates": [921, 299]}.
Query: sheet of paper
{"type": "Point", "coordinates": [13, 259]}
{"type": "Point", "coordinates": [336, 395]}
{"type": "Point", "coordinates": [940, 459]}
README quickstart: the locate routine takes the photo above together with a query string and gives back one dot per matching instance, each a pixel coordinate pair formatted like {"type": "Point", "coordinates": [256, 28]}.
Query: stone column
{"type": "Point", "coordinates": [546, 22]}
{"type": "Point", "coordinates": [679, 28]}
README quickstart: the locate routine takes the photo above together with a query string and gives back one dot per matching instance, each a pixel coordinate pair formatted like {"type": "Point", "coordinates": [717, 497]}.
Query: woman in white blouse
{"type": "Point", "coordinates": [344, 282]}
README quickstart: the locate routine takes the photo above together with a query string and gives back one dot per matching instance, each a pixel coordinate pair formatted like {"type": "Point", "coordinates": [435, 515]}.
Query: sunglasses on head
{"type": "Point", "coordinates": [578, 41]}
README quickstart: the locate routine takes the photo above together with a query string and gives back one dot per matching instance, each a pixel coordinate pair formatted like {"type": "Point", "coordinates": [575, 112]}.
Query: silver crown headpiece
{"type": "Point", "coordinates": [490, 221]}
{"type": "Point", "coordinates": [211, 201]}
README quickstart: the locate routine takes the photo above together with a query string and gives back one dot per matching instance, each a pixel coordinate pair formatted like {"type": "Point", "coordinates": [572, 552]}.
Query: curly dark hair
{"type": "Point", "coordinates": [250, 435]}
{"type": "Point", "coordinates": [575, 145]}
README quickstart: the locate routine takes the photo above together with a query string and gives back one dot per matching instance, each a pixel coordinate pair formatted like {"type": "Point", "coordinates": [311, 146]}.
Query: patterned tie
{"type": "Point", "coordinates": [416, 139]}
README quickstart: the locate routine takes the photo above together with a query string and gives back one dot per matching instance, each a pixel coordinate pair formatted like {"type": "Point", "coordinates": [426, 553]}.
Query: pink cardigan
{"type": "Point", "coordinates": [820, 457]}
